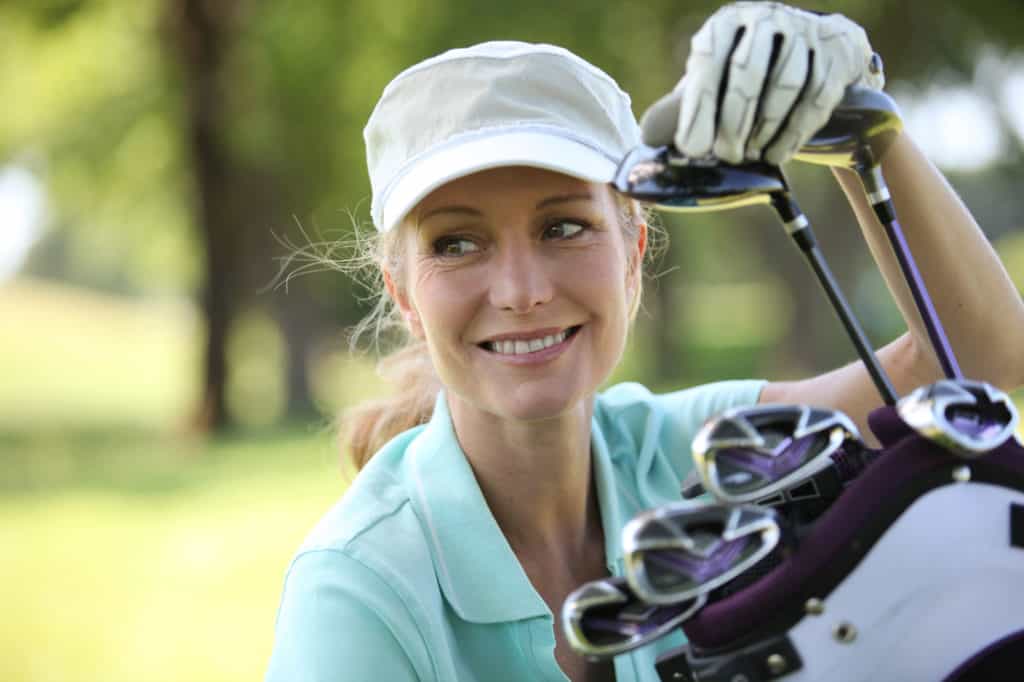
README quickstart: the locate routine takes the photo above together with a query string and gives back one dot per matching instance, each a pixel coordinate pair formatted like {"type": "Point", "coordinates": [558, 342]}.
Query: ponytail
{"type": "Point", "coordinates": [368, 426]}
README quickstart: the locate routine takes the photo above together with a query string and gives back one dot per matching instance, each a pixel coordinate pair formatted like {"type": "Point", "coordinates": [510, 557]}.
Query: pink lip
{"type": "Point", "coordinates": [538, 357]}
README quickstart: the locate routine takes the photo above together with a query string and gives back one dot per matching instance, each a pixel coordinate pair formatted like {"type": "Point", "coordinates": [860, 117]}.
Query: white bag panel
{"type": "Point", "coordinates": [942, 583]}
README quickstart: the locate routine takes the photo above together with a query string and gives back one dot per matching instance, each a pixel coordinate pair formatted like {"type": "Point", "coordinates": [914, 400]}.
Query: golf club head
{"type": "Point", "coordinates": [604, 618]}
{"type": "Point", "coordinates": [859, 132]}
{"type": "Point", "coordinates": [660, 175]}
{"type": "Point", "coordinates": [967, 417]}
{"type": "Point", "coordinates": [747, 454]}
{"type": "Point", "coordinates": [847, 464]}
{"type": "Point", "coordinates": [685, 550]}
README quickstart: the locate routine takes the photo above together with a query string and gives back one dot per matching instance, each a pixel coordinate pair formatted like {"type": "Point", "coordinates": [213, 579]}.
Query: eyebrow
{"type": "Point", "coordinates": [543, 203]}
{"type": "Point", "coordinates": [563, 198]}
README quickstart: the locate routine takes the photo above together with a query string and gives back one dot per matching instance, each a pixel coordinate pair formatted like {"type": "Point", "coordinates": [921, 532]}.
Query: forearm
{"type": "Point", "coordinates": [979, 306]}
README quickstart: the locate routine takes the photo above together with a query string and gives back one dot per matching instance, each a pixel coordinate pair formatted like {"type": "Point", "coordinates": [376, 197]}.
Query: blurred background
{"type": "Point", "coordinates": [167, 404]}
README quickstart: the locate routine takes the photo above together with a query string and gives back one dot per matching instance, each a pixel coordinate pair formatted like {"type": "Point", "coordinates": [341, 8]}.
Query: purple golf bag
{"type": "Point", "coordinates": [916, 572]}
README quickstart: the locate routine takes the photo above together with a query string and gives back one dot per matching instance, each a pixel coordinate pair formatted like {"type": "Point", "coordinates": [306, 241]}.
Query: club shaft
{"type": "Point", "coordinates": [853, 328]}
{"type": "Point", "coordinates": [800, 230]}
{"type": "Point", "coordinates": [878, 195]}
{"type": "Point", "coordinates": [936, 333]}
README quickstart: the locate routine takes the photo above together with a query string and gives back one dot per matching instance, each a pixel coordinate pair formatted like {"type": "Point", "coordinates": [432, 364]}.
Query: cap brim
{"type": "Point", "coordinates": [534, 149]}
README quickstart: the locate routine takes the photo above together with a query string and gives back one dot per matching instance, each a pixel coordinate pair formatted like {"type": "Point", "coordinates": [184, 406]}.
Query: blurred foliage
{"type": "Point", "coordinates": [96, 109]}
{"type": "Point", "coordinates": [87, 107]}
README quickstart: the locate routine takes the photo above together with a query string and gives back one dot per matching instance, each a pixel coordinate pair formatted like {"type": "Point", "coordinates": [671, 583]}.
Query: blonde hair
{"type": "Point", "coordinates": [366, 427]}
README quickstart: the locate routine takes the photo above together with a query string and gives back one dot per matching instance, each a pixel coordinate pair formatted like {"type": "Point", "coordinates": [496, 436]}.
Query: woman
{"type": "Point", "coordinates": [517, 272]}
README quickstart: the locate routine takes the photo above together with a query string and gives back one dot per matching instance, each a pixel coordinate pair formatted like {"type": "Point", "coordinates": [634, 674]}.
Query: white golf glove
{"type": "Point", "coordinates": [744, 98]}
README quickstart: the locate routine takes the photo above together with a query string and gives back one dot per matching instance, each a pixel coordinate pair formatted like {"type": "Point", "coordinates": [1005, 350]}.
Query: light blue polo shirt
{"type": "Point", "coordinates": [409, 577]}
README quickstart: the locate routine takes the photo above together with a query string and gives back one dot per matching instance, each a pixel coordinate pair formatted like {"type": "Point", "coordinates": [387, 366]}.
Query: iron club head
{"type": "Point", "coordinates": [604, 618]}
{"type": "Point", "coordinates": [686, 549]}
{"type": "Point", "coordinates": [749, 453]}
{"type": "Point", "coordinates": [967, 417]}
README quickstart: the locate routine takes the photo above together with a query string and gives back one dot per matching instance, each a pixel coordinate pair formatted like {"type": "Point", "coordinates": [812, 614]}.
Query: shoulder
{"type": "Point", "coordinates": [339, 618]}
{"type": "Point", "coordinates": [376, 499]}
{"type": "Point", "coordinates": [363, 563]}
{"type": "Point", "coordinates": [375, 524]}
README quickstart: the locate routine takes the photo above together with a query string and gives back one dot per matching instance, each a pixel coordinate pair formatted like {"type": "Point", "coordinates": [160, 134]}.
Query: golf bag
{"type": "Point", "coordinates": [915, 572]}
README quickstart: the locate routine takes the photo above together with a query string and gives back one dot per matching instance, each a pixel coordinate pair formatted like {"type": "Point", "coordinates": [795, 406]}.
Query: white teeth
{"type": "Point", "coordinates": [517, 347]}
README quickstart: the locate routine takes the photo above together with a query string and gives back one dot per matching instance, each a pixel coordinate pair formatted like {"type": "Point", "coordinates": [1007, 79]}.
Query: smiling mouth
{"type": "Point", "coordinates": [524, 347]}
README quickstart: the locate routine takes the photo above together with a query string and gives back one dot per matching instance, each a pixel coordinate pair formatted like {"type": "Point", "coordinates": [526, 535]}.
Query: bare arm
{"type": "Point", "coordinates": [977, 302]}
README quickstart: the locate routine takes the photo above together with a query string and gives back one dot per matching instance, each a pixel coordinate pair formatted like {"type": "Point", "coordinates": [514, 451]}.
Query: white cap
{"type": "Point", "coordinates": [494, 104]}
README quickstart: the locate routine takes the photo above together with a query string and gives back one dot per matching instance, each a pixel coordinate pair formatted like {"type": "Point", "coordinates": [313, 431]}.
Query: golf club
{"type": "Point", "coordinates": [748, 454]}
{"type": "Point", "coordinates": [604, 618]}
{"type": "Point", "coordinates": [967, 417]}
{"type": "Point", "coordinates": [857, 136]}
{"type": "Point", "coordinates": [685, 550]}
{"type": "Point", "coordinates": [676, 183]}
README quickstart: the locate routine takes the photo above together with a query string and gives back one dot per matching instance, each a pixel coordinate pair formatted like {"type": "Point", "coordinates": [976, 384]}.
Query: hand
{"type": "Point", "coordinates": [760, 80]}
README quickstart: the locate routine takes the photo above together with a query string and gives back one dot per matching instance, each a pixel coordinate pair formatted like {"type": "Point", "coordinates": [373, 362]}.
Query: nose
{"type": "Point", "coordinates": [522, 279]}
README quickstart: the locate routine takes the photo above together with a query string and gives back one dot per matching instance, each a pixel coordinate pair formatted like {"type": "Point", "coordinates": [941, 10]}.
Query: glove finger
{"type": "Point", "coordinates": [709, 55]}
{"type": "Point", "coordinates": [809, 115]}
{"type": "Point", "coordinates": [748, 70]}
{"type": "Point", "coordinates": [788, 80]}
{"type": "Point", "coordinates": [853, 42]}
{"type": "Point", "coordinates": [658, 124]}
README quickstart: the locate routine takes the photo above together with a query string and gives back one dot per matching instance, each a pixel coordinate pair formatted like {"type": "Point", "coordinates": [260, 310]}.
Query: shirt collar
{"type": "Point", "coordinates": [478, 572]}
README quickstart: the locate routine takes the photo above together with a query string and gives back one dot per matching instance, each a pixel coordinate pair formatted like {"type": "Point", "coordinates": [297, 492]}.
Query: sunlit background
{"type": "Point", "coordinates": [167, 405]}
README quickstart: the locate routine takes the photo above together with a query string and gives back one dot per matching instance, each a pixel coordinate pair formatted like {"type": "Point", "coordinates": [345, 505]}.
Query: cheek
{"type": "Point", "coordinates": [444, 300]}
{"type": "Point", "coordinates": [606, 273]}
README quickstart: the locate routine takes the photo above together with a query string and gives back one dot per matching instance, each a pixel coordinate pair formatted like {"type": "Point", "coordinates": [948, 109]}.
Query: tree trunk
{"type": "Point", "coordinates": [298, 321]}
{"type": "Point", "coordinates": [199, 34]}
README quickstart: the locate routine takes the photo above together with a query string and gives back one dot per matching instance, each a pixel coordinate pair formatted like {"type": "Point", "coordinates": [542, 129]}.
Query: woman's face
{"type": "Point", "coordinates": [520, 280]}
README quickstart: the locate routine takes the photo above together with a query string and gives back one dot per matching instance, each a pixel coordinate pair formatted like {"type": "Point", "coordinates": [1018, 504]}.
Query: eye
{"type": "Point", "coordinates": [565, 229]}
{"type": "Point", "coordinates": [453, 247]}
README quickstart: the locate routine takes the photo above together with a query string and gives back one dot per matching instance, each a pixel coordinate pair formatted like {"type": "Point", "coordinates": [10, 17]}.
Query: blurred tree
{"type": "Point", "coordinates": [200, 35]}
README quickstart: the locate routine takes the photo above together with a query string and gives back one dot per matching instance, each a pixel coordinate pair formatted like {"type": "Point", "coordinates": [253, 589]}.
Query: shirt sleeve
{"type": "Point", "coordinates": [338, 622]}
{"type": "Point", "coordinates": [657, 430]}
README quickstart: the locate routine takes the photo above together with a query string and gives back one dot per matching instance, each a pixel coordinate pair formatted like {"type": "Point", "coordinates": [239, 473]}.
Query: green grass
{"type": "Point", "coordinates": [166, 569]}
{"type": "Point", "coordinates": [133, 551]}
{"type": "Point", "coordinates": [73, 357]}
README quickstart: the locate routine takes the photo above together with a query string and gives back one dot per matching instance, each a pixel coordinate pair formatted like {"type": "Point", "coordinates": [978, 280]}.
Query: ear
{"type": "Point", "coordinates": [636, 256]}
{"type": "Point", "coordinates": [405, 307]}
{"type": "Point", "coordinates": [641, 241]}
